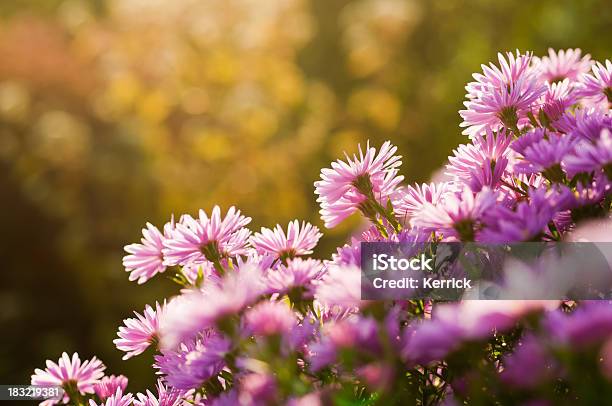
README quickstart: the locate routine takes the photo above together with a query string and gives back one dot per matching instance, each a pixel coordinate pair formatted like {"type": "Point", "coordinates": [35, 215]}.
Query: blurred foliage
{"type": "Point", "coordinates": [114, 113]}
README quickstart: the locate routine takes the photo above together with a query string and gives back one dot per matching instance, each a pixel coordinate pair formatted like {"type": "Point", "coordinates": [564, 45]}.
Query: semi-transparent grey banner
{"type": "Point", "coordinates": [454, 271]}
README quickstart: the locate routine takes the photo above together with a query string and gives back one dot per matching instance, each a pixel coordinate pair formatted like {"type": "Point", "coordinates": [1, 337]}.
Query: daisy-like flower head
{"type": "Point", "coordinates": [591, 194]}
{"type": "Point", "coordinates": [546, 155]}
{"type": "Point", "coordinates": [297, 241]}
{"type": "Point", "coordinates": [598, 84]}
{"type": "Point", "coordinates": [350, 333]}
{"type": "Point", "coordinates": [145, 260]}
{"type": "Point", "coordinates": [137, 334]}
{"type": "Point", "coordinates": [458, 215]}
{"type": "Point", "coordinates": [559, 97]}
{"type": "Point", "coordinates": [348, 254]}
{"type": "Point", "coordinates": [346, 185]}
{"type": "Point", "coordinates": [563, 64]}
{"type": "Point", "coordinates": [269, 318]}
{"type": "Point", "coordinates": [588, 156]}
{"type": "Point", "coordinates": [482, 162]}
{"type": "Point", "coordinates": [71, 374]}
{"type": "Point", "coordinates": [188, 314]}
{"type": "Point", "coordinates": [528, 220]}
{"type": "Point", "coordinates": [341, 288]}
{"type": "Point", "coordinates": [296, 277]}
{"type": "Point", "coordinates": [109, 385]}
{"type": "Point", "coordinates": [413, 198]}
{"type": "Point", "coordinates": [165, 396]}
{"type": "Point", "coordinates": [117, 399]}
{"type": "Point", "coordinates": [585, 123]}
{"type": "Point", "coordinates": [194, 361]}
{"type": "Point", "coordinates": [501, 97]}
{"type": "Point", "coordinates": [207, 238]}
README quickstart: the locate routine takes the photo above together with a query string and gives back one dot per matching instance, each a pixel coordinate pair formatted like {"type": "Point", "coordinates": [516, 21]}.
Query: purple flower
{"type": "Point", "coordinates": [197, 274]}
{"type": "Point", "coordinates": [598, 85]}
{"type": "Point", "coordinates": [591, 193]}
{"type": "Point", "coordinates": [357, 333]}
{"type": "Point", "coordinates": [413, 198]}
{"type": "Point", "coordinates": [546, 155]}
{"type": "Point", "coordinates": [229, 398]}
{"type": "Point", "coordinates": [70, 374]}
{"type": "Point", "coordinates": [146, 259]}
{"type": "Point", "coordinates": [137, 334]}
{"type": "Point", "coordinates": [527, 140]}
{"type": "Point", "coordinates": [528, 220]}
{"type": "Point", "coordinates": [563, 64]}
{"type": "Point", "coordinates": [340, 287]}
{"type": "Point", "coordinates": [501, 97]}
{"type": "Point", "coordinates": [528, 366]}
{"type": "Point", "coordinates": [269, 318]}
{"type": "Point", "coordinates": [193, 311]}
{"type": "Point", "coordinates": [589, 157]}
{"type": "Point", "coordinates": [590, 324]}
{"type": "Point", "coordinates": [298, 273]}
{"type": "Point", "coordinates": [207, 239]}
{"type": "Point", "coordinates": [194, 361]}
{"type": "Point", "coordinates": [109, 385]}
{"type": "Point", "coordinates": [348, 254]}
{"type": "Point", "coordinates": [452, 325]}
{"type": "Point", "coordinates": [584, 123]}
{"type": "Point", "coordinates": [346, 185]}
{"type": "Point", "coordinates": [482, 162]}
{"type": "Point", "coordinates": [458, 215]}
{"type": "Point", "coordinates": [559, 97]}
{"type": "Point", "coordinates": [117, 399]}
{"type": "Point", "coordinates": [165, 397]}
{"type": "Point", "coordinates": [431, 340]}
{"type": "Point", "coordinates": [258, 389]}
{"type": "Point", "coordinates": [297, 241]}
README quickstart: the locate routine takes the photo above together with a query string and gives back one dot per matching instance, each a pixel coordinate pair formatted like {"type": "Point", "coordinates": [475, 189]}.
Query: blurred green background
{"type": "Point", "coordinates": [114, 113]}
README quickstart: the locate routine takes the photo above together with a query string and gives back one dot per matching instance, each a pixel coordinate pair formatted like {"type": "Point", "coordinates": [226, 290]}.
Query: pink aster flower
{"type": "Point", "coordinates": [165, 396]}
{"type": "Point", "coordinates": [559, 97]}
{"type": "Point", "coordinates": [145, 260]}
{"type": "Point", "coordinates": [588, 156]}
{"type": "Point", "coordinates": [346, 185]}
{"type": "Point", "coordinates": [501, 97]}
{"type": "Point", "coordinates": [354, 333]}
{"type": "Point", "coordinates": [109, 385]}
{"type": "Point", "coordinates": [584, 123]}
{"type": "Point", "coordinates": [546, 154]}
{"type": "Point", "coordinates": [258, 389]}
{"type": "Point", "coordinates": [592, 193]}
{"type": "Point", "coordinates": [117, 399]}
{"type": "Point", "coordinates": [525, 222]}
{"type": "Point", "coordinates": [413, 198]}
{"type": "Point", "coordinates": [297, 274]}
{"type": "Point", "coordinates": [341, 287]}
{"type": "Point", "coordinates": [348, 254]}
{"type": "Point", "coordinates": [70, 374]}
{"type": "Point", "coordinates": [193, 362]}
{"type": "Point", "coordinates": [598, 85]}
{"type": "Point", "coordinates": [482, 162]}
{"type": "Point", "coordinates": [563, 64]}
{"type": "Point", "coordinates": [297, 241]}
{"type": "Point", "coordinates": [458, 215]}
{"type": "Point", "coordinates": [137, 334]}
{"type": "Point", "coordinates": [187, 315]}
{"type": "Point", "coordinates": [269, 318]}
{"type": "Point", "coordinates": [207, 238]}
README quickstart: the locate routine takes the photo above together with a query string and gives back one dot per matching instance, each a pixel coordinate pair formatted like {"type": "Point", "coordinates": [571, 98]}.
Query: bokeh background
{"type": "Point", "coordinates": [114, 113]}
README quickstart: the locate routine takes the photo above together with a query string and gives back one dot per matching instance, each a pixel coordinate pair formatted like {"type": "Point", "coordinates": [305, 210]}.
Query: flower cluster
{"type": "Point", "coordinates": [258, 322]}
